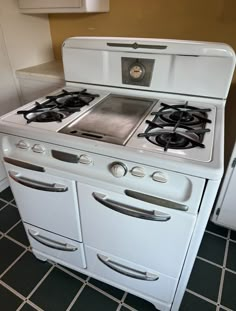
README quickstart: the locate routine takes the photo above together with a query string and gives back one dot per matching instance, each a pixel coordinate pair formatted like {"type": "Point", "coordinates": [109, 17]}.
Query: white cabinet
{"type": "Point", "coordinates": [225, 210]}
{"type": "Point", "coordinates": [63, 6]}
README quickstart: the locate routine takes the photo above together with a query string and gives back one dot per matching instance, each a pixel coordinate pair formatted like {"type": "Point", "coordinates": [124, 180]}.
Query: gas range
{"type": "Point", "coordinates": [136, 141]}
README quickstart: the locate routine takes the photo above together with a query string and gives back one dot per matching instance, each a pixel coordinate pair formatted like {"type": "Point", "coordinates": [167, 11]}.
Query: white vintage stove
{"type": "Point", "coordinates": [115, 175]}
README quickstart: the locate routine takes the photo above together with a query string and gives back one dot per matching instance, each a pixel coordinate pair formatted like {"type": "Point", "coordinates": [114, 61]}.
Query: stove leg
{"type": "Point", "coordinates": [39, 256]}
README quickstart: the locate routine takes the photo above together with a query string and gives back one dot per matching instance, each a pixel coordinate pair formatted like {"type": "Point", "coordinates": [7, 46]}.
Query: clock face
{"type": "Point", "coordinates": [137, 71]}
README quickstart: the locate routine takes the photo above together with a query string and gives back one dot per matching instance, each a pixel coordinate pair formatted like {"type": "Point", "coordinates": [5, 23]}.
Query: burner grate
{"type": "Point", "coordinates": [177, 127]}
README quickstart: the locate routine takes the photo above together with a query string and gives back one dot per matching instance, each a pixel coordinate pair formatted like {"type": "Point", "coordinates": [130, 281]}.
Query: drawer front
{"type": "Point", "coordinates": [129, 276]}
{"type": "Point", "coordinates": [158, 243]}
{"type": "Point", "coordinates": [60, 248]}
{"type": "Point", "coordinates": [46, 201]}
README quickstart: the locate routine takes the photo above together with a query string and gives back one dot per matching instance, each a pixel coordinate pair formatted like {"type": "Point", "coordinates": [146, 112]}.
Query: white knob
{"type": "Point", "coordinates": [38, 148]}
{"type": "Point", "coordinates": [138, 171]}
{"type": "Point", "coordinates": [22, 144]}
{"type": "Point", "coordinates": [85, 159]}
{"type": "Point", "coordinates": [159, 177]}
{"type": "Point", "coordinates": [118, 169]}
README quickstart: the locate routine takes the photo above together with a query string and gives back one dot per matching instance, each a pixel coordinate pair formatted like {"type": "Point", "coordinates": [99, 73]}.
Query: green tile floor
{"type": "Point", "coordinates": [28, 284]}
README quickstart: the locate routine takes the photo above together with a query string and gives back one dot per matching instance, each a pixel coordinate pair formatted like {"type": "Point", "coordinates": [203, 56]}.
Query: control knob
{"type": "Point", "coordinates": [118, 169]}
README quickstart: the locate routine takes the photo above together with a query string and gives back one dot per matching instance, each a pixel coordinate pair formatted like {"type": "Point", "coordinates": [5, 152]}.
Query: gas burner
{"type": "Point", "coordinates": [47, 116]}
{"type": "Point", "coordinates": [174, 137]}
{"type": "Point", "coordinates": [183, 114]}
{"type": "Point", "coordinates": [58, 107]}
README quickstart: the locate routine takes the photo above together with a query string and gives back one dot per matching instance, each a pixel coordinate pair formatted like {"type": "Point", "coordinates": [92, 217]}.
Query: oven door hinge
{"type": "Point", "coordinates": [218, 211]}
{"type": "Point", "coordinates": [234, 162]}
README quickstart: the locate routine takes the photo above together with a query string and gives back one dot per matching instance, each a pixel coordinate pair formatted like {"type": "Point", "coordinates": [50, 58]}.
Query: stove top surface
{"type": "Point", "coordinates": [175, 127]}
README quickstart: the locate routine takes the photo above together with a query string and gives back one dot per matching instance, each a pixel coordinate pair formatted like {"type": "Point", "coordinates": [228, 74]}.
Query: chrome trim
{"type": "Point", "coordinates": [47, 242]}
{"type": "Point", "coordinates": [156, 200]}
{"type": "Point", "coordinates": [36, 184]}
{"type": "Point", "coordinates": [136, 46]}
{"type": "Point", "coordinates": [65, 156]}
{"type": "Point", "coordinates": [133, 273]}
{"type": "Point", "coordinates": [130, 210]}
{"type": "Point", "coordinates": [25, 165]}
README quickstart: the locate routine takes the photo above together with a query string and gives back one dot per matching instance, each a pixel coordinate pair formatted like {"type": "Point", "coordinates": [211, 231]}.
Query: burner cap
{"type": "Point", "coordinates": [47, 116]}
{"type": "Point", "coordinates": [185, 116]}
{"type": "Point", "coordinates": [173, 140]}
{"type": "Point", "coordinates": [74, 102]}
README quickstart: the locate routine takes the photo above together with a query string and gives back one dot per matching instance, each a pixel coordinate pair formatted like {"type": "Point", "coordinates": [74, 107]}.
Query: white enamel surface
{"type": "Point", "coordinates": [226, 199]}
{"type": "Point", "coordinates": [74, 258]}
{"type": "Point", "coordinates": [129, 233]}
{"type": "Point", "coordinates": [48, 210]}
{"type": "Point", "coordinates": [180, 68]}
{"type": "Point", "coordinates": [163, 289]}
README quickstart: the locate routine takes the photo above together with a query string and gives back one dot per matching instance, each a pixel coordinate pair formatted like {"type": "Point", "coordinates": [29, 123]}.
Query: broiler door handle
{"type": "Point", "coordinates": [130, 210]}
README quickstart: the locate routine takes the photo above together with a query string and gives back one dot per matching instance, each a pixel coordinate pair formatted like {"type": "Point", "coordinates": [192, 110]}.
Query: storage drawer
{"type": "Point", "coordinates": [45, 201]}
{"type": "Point", "coordinates": [129, 276]}
{"type": "Point", "coordinates": [159, 244]}
{"type": "Point", "coordinates": [65, 250]}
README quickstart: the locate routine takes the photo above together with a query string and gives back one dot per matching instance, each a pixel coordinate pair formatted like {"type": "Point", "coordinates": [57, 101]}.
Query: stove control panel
{"type": "Point", "coordinates": [118, 169]}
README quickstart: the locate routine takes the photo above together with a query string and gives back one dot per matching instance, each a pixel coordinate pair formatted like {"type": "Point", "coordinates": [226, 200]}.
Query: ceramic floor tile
{"type": "Point", "coordinates": [81, 275]}
{"type": "Point", "coordinates": [2, 203]}
{"type": "Point", "coordinates": [205, 279]}
{"type": "Point", "coordinates": [228, 298]}
{"type": "Point", "coordinates": [98, 301]}
{"type": "Point", "coordinates": [233, 235]}
{"type": "Point", "coordinates": [8, 301]}
{"type": "Point", "coordinates": [9, 216]}
{"type": "Point", "coordinates": [138, 303]}
{"type": "Point", "coordinates": [115, 292]}
{"type": "Point", "coordinates": [193, 303]}
{"type": "Point", "coordinates": [212, 248]}
{"type": "Point", "coordinates": [18, 233]}
{"type": "Point", "coordinates": [9, 251]}
{"type": "Point", "coordinates": [57, 291]}
{"type": "Point", "coordinates": [26, 273]}
{"type": "Point", "coordinates": [217, 229]}
{"type": "Point", "coordinates": [7, 194]}
{"type": "Point", "coordinates": [27, 307]}
{"type": "Point", "coordinates": [231, 258]}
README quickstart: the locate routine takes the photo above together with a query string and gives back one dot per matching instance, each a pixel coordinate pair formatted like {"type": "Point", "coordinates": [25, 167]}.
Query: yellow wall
{"type": "Point", "coordinates": [204, 20]}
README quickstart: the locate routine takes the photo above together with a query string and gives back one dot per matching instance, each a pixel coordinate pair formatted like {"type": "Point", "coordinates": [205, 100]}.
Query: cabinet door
{"type": "Point", "coordinates": [9, 99]}
{"type": "Point", "coordinates": [46, 201]}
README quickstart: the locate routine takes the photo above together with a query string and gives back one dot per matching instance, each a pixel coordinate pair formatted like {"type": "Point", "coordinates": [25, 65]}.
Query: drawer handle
{"type": "Point", "coordinates": [52, 243]}
{"type": "Point", "coordinates": [133, 273]}
{"type": "Point", "coordinates": [36, 184]}
{"type": "Point", "coordinates": [129, 210]}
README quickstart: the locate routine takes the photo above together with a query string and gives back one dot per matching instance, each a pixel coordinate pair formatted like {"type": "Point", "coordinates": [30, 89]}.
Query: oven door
{"type": "Point", "coordinates": [45, 201]}
{"type": "Point", "coordinates": [146, 234]}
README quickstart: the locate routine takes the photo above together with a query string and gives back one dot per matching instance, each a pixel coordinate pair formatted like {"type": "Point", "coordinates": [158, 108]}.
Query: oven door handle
{"type": "Point", "coordinates": [130, 210]}
{"type": "Point", "coordinates": [131, 272]}
{"type": "Point", "coordinates": [36, 184]}
{"type": "Point", "coordinates": [52, 243]}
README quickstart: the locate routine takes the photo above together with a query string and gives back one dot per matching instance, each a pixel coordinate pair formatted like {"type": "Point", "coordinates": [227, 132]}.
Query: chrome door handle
{"type": "Point", "coordinates": [130, 210]}
{"type": "Point", "coordinates": [25, 165]}
{"type": "Point", "coordinates": [36, 184]}
{"type": "Point", "coordinates": [133, 273]}
{"type": "Point", "coordinates": [52, 243]}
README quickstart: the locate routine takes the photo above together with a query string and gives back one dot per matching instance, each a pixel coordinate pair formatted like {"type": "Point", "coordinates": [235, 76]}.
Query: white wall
{"type": "Point", "coordinates": [27, 38]}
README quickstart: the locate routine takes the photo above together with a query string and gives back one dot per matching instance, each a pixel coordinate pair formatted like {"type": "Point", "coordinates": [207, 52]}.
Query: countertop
{"type": "Point", "coordinates": [50, 70]}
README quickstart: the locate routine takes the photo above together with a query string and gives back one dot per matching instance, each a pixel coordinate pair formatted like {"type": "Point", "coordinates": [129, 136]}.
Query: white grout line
{"type": "Point", "coordinates": [218, 235]}
{"type": "Point", "coordinates": [40, 282]}
{"type": "Point", "coordinates": [225, 308]}
{"type": "Point", "coordinates": [15, 241]}
{"type": "Point", "coordinates": [200, 296]}
{"type": "Point", "coordinates": [13, 263]}
{"type": "Point", "coordinates": [17, 223]}
{"type": "Point", "coordinates": [210, 262]}
{"type": "Point", "coordinates": [76, 296]}
{"type": "Point", "coordinates": [12, 290]}
{"type": "Point", "coordinates": [223, 273]}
